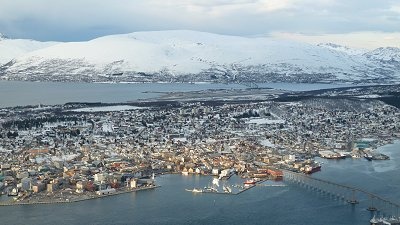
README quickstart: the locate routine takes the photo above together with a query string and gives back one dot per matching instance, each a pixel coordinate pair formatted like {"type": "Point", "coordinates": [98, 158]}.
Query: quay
{"type": "Point", "coordinates": [272, 185]}
{"type": "Point", "coordinates": [229, 193]}
{"type": "Point", "coordinates": [246, 188]}
{"type": "Point", "coordinates": [81, 198]}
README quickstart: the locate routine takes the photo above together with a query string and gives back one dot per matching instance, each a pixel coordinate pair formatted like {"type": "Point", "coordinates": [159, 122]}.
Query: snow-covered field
{"type": "Point", "coordinates": [368, 96]}
{"type": "Point", "coordinates": [106, 108]}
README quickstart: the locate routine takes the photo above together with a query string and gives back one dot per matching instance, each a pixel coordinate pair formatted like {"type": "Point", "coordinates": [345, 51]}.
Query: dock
{"type": "Point", "coordinates": [228, 193]}
{"type": "Point", "coordinates": [246, 188]}
{"type": "Point", "coordinates": [272, 185]}
{"type": "Point", "coordinates": [79, 199]}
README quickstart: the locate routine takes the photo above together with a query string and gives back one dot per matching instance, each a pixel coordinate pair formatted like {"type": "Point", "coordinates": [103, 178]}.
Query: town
{"type": "Point", "coordinates": [78, 151]}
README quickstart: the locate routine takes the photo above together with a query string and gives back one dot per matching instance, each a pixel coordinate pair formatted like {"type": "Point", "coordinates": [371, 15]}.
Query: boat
{"type": "Point", "coordinates": [333, 155]}
{"type": "Point", "coordinates": [185, 173]}
{"type": "Point", "coordinates": [275, 173]}
{"type": "Point", "coordinates": [368, 157]}
{"type": "Point", "coordinates": [215, 182]}
{"type": "Point", "coordinates": [374, 221]}
{"type": "Point", "coordinates": [13, 192]}
{"type": "Point", "coordinates": [195, 190]}
{"type": "Point", "coordinates": [211, 189]}
{"type": "Point", "coordinates": [250, 182]}
{"type": "Point", "coordinates": [312, 169]}
{"type": "Point", "coordinates": [227, 189]}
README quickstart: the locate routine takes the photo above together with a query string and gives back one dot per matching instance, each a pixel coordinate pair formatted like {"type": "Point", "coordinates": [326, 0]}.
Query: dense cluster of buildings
{"type": "Point", "coordinates": [51, 150]}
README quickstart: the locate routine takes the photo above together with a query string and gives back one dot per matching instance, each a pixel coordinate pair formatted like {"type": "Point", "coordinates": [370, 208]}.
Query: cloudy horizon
{"type": "Point", "coordinates": [359, 23]}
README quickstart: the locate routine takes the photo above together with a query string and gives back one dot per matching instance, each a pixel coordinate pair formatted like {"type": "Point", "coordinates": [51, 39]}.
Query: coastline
{"type": "Point", "coordinates": [78, 199]}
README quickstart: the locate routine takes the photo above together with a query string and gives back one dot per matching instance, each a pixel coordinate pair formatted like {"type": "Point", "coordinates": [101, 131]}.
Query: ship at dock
{"type": "Point", "coordinates": [309, 169]}
{"type": "Point", "coordinates": [250, 182]}
{"type": "Point", "coordinates": [275, 173]}
{"type": "Point", "coordinates": [227, 189]}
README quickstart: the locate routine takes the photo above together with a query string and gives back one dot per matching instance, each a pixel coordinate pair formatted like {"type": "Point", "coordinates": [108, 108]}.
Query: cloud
{"type": "Point", "coordinates": [85, 19]}
{"type": "Point", "coordinates": [395, 8]}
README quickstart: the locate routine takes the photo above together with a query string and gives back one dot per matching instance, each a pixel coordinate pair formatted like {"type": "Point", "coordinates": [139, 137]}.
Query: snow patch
{"type": "Point", "coordinates": [107, 108]}
{"type": "Point", "coordinates": [260, 121]}
{"type": "Point", "coordinates": [266, 143]}
{"type": "Point", "coordinates": [368, 96]}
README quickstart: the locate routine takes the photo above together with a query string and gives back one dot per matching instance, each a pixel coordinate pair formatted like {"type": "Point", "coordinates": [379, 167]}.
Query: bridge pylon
{"type": "Point", "coordinates": [345, 193]}
{"type": "Point", "coordinates": [353, 199]}
{"type": "Point", "coordinates": [371, 207]}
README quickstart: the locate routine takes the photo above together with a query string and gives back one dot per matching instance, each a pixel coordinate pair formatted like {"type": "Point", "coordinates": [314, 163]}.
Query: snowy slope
{"type": "Point", "coordinates": [13, 48]}
{"type": "Point", "coordinates": [196, 56]}
{"type": "Point", "coordinates": [388, 54]}
{"type": "Point", "coordinates": [341, 48]}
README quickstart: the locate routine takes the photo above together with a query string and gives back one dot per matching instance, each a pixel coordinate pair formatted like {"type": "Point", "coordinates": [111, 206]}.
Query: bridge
{"type": "Point", "coordinates": [349, 194]}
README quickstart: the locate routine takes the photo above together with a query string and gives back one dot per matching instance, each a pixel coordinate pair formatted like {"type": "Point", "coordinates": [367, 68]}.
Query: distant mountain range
{"type": "Point", "coordinates": [190, 56]}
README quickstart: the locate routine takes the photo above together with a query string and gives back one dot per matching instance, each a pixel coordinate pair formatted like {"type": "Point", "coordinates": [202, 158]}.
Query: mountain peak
{"type": "Point", "coordinates": [342, 48]}
{"type": "Point", "coordinates": [331, 45]}
{"type": "Point", "coordinates": [388, 49]}
{"type": "Point", "coordinates": [385, 54]}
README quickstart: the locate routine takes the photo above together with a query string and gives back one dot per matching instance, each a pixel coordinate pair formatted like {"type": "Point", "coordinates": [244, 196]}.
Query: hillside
{"type": "Point", "coordinates": [14, 48]}
{"type": "Point", "coordinates": [196, 56]}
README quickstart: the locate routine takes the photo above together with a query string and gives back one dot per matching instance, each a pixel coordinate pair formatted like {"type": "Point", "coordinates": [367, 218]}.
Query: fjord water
{"type": "Point", "coordinates": [171, 204]}
{"type": "Point", "coordinates": [19, 93]}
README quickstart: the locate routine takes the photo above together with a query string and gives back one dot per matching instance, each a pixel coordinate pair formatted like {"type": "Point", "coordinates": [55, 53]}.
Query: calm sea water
{"type": "Point", "coordinates": [18, 93]}
{"type": "Point", "coordinates": [171, 204]}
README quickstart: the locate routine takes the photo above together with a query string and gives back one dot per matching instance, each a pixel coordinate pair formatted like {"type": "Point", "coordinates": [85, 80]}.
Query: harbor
{"type": "Point", "coordinates": [257, 204]}
{"type": "Point", "coordinates": [234, 186]}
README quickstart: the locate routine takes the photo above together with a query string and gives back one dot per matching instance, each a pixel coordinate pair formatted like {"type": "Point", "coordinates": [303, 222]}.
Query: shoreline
{"type": "Point", "coordinates": [79, 199]}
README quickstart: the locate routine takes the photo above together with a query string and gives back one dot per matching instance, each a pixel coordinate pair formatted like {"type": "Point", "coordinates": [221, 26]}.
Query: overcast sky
{"type": "Point", "coordinates": [360, 23]}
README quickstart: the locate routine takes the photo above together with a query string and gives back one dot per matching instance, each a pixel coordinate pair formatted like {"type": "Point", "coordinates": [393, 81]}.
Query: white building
{"type": "Point", "coordinates": [99, 177]}
{"type": "Point", "coordinates": [106, 191]}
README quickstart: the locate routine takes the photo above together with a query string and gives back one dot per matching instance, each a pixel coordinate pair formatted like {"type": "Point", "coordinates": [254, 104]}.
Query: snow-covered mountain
{"type": "Point", "coordinates": [13, 48]}
{"type": "Point", "coordinates": [198, 56]}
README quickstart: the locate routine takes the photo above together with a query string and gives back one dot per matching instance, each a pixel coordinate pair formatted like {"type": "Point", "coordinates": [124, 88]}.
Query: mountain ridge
{"type": "Point", "coordinates": [186, 56]}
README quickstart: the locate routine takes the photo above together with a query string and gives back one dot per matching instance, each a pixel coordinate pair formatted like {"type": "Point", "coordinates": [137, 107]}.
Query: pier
{"type": "Point", "coordinates": [78, 199]}
{"type": "Point", "coordinates": [351, 195]}
{"type": "Point", "coordinates": [259, 183]}
{"type": "Point", "coordinates": [271, 185]}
